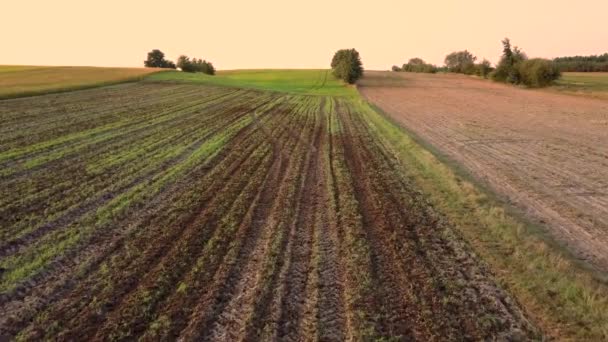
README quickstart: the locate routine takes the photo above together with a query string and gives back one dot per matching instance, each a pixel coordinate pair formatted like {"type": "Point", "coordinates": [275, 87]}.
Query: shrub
{"type": "Point", "coordinates": [538, 72]}
{"type": "Point", "coordinates": [156, 59]}
{"type": "Point", "coordinates": [346, 65]}
{"type": "Point", "coordinates": [395, 68]}
{"type": "Point", "coordinates": [419, 65]}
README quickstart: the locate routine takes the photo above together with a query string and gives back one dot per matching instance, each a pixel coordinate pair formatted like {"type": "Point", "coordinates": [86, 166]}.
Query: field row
{"type": "Point", "coordinates": [206, 213]}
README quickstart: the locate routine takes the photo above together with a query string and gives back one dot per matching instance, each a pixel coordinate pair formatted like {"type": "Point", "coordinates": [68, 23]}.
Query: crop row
{"type": "Point", "coordinates": [225, 215]}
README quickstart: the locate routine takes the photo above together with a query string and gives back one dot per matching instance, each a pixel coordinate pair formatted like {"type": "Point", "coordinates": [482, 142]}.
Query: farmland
{"type": "Point", "coordinates": [546, 153]}
{"type": "Point", "coordinates": [251, 207]}
{"type": "Point", "coordinates": [16, 80]}
{"type": "Point", "coordinates": [173, 209]}
{"type": "Point", "coordinates": [592, 84]}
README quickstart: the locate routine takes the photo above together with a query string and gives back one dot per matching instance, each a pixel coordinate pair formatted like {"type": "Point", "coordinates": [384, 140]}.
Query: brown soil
{"type": "Point", "coordinates": [546, 153]}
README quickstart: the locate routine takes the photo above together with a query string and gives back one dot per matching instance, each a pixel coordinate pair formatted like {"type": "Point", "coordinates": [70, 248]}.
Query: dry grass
{"type": "Point", "coordinates": [18, 81]}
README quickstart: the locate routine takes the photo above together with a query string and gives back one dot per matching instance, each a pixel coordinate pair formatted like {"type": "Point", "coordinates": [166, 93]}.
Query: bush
{"type": "Point", "coordinates": [156, 59]}
{"type": "Point", "coordinates": [395, 68]}
{"type": "Point", "coordinates": [538, 72]}
{"type": "Point", "coordinates": [346, 65]}
{"type": "Point", "coordinates": [419, 65]}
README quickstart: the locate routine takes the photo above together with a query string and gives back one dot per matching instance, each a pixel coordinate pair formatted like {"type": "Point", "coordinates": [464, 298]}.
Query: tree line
{"type": "Point", "coordinates": [195, 65]}
{"type": "Point", "coordinates": [593, 63]}
{"type": "Point", "coordinates": [514, 67]}
{"type": "Point", "coordinates": [156, 59]}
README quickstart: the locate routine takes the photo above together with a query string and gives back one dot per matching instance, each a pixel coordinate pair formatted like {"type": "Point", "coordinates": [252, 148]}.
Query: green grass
{"type": "Point", "coordinates": [584, 83]}
{"type": "Point", "coordinates": [303, 81]}
{"type": "Point", "coordinates": [21, 80]}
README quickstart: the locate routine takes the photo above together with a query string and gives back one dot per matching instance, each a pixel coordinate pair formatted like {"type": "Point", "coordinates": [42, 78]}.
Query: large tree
{"type": "Point", "coordinates": [346, 65]}
{"type": "Point", "coordinates": [461, 62]}
{"type": "Point", "coordinates": [156, 59]}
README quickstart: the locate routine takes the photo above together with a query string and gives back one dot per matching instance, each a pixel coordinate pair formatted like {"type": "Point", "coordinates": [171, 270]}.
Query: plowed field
{"type": "Point", "coordinates": [546, 153]}
{"type": "Point", "coordinates": [174, 211]}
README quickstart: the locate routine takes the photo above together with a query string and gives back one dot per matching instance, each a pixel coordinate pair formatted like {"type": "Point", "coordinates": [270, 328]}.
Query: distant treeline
{"type": "Point", "coordinates": [195, 65]}
{"type": "Point", "coordinates": [156, 59]}
{"type": "Point", "coordinates": [514, 67]}
{"type": "Point", "coordinates": [416, 65]}
{"type": "Point", "coordinates": [594, 63]}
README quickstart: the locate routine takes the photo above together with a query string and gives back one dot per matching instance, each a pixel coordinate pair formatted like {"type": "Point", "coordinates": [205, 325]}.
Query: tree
{"type": "Point", "coordinates": [461, 62]}
{"type": "Point", "coordinates": [507, 68]}
{"type": "Point", "coordinates": [515, 67]}
{"type": "Point", "coordinates": [395, 68]}
{"type": "Point", "coordinates": [484, 68]}
{"type": "Point", "coordinates": [346, 65]}
{"type": "Point", "coordinates": [156, 59]}
{"type": "Point", "coordinates": [184, 63]}
{"type": "Point", "coordinates": [195, 65]}
{"type": "Point", "coordinates": [416, 61]}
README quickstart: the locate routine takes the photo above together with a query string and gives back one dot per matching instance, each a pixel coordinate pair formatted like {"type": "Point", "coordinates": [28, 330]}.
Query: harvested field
{"type": "Point", "coordinates": [17, 80]}
{"type": "Point", "coordinates": [546, 153]}
{"type": "Point", "coordinates": [178, 211]}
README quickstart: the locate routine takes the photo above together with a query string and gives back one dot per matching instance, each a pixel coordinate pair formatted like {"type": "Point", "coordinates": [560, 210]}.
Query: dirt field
{"type": "Point", "coordinates": [164, 211]}
{"type": "Point", "coordinates": [546, 153]}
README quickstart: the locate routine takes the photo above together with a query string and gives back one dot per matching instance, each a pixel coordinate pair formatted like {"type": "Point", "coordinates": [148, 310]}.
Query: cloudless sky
{"type": "Point", "coordinates": [293, 34]}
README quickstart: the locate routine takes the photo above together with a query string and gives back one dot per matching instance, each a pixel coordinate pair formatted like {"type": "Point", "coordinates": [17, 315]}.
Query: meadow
{"type": "Point", "coordinates": [304, 81]}
{"type": "Point", "coordinates": [259, 205]}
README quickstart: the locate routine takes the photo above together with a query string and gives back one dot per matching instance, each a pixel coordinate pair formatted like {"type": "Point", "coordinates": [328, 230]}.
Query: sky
{"type": "Point", "coordinates": [293, 34]}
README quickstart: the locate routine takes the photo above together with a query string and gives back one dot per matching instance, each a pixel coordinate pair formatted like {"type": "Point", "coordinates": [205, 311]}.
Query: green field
{"type": "Point", "coordinates": [17, 80]}
{"type": "Point", "coordinates": [593, 84]}
{"type": "Point", "coordinates": [305, 81]}
{"type": "Point", "coordinates": [258, 205]}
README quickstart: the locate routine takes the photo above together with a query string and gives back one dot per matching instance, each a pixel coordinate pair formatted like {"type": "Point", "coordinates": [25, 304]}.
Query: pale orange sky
{"type": "Point", "coordinates": [289, 34]}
